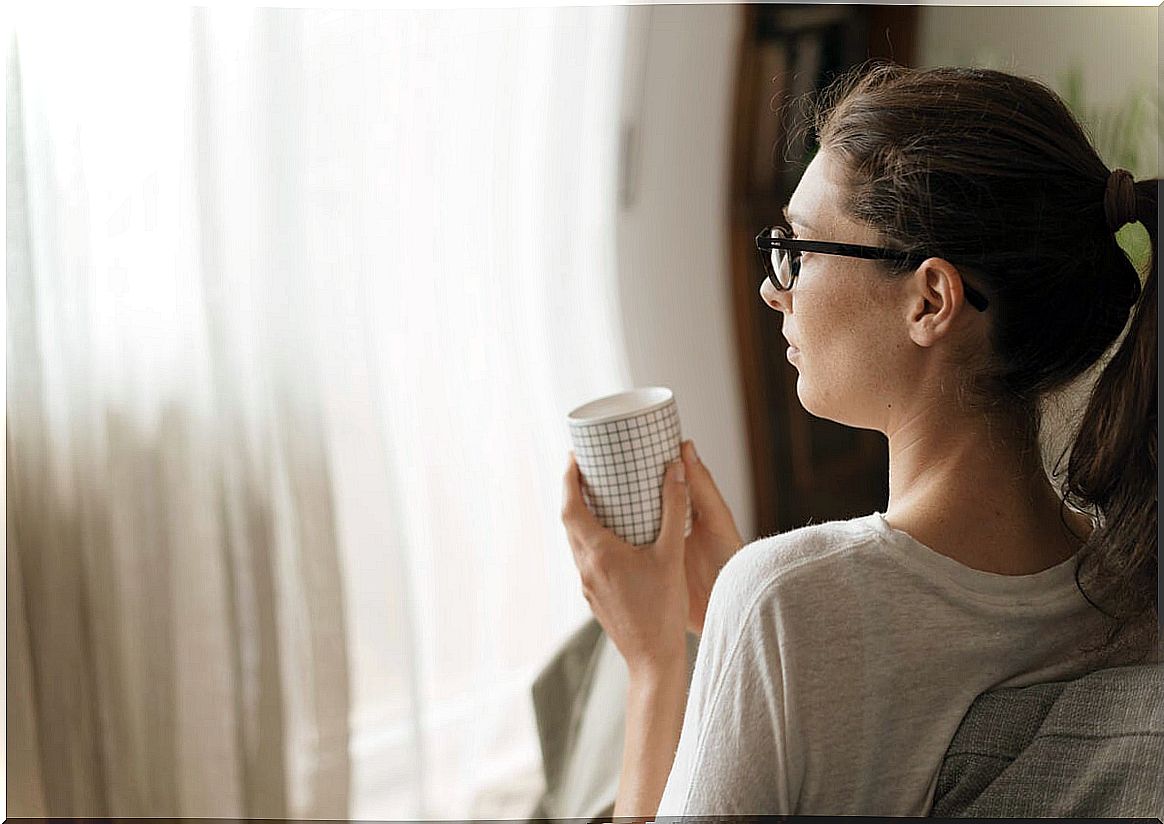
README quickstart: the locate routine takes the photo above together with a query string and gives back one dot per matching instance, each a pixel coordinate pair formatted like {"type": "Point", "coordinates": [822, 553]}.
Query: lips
{"type": "Point", "coordinates": [793, 349]}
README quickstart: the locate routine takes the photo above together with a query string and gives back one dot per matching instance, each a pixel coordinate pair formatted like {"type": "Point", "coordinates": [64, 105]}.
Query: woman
{"type": "Point", "coordinates": [837, 660]}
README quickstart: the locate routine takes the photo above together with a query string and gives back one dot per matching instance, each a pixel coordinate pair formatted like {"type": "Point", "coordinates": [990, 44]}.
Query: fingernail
{"type": "Point", "coordinates": [694, 454]}
{"type": "Point", "coordinates": [680, 472]}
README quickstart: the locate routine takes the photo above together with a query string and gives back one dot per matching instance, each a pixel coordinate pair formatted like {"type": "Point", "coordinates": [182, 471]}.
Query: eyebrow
{"type": "Point", "coordinates": [793, 218]}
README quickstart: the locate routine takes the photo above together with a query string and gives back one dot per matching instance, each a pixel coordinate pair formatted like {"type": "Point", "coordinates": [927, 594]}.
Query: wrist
{"type": "Point", "coordinates": [660, 670]}
{"type": "Point", "coordinates": [656, 700]}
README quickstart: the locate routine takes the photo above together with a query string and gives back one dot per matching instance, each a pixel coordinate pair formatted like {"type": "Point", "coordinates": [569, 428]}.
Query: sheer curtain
{"type": "Point", "coordinates": [297, 303]}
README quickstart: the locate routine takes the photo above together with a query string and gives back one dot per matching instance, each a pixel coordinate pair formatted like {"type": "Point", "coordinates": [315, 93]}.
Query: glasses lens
{"type": "Point", "coordinates": [784, 262]}
{"type": "Point", "coordinates": [781, 265]}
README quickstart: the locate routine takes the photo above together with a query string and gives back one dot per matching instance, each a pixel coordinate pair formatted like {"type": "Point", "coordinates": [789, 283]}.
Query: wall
{"type": "Point", "coordinates": [1116, 46]}
{"type": "Point", "coordinates": [672, 234]}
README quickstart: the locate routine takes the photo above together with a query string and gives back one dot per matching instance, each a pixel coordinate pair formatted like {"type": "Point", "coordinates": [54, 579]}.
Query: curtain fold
{"type": "Point", "coordinates": [298, 301]}
{"type": "Point", "coordinates": [169, 492]}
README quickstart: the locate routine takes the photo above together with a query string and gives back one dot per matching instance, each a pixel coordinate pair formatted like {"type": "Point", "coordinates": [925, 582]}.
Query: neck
{"type": "Point", "coordinates": [975, 489]}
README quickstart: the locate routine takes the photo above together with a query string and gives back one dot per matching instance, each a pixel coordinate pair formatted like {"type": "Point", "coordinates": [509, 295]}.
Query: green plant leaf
{"type": "Point", "coordinates": [1134, 240]}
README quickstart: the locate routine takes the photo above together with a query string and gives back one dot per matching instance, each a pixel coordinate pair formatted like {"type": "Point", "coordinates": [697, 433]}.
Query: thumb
{"type": "Point", "coordinates": [674, 506]}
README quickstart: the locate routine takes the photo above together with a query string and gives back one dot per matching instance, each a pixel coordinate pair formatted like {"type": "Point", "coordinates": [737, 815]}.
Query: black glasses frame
{"type": "Point", "coordinates": [774, 238]}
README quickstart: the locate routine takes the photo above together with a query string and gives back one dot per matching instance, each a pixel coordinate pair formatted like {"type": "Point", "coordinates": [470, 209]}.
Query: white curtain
{"type": "Point", "coordinates": [297, 303]}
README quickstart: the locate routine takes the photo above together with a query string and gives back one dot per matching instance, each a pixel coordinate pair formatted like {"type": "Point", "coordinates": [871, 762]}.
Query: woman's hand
{"type": "Point", "coordinates": [638, 594]}
{"type": "Point", "coordinates": [713, 540]}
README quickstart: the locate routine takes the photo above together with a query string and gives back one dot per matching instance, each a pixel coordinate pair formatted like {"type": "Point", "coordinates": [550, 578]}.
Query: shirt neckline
{"type": "Point", "coordinates": [1048, 584]}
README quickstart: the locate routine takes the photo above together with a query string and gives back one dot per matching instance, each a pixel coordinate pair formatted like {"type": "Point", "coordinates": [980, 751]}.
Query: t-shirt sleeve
{"type": "Point", "coordinates": [735, 753]}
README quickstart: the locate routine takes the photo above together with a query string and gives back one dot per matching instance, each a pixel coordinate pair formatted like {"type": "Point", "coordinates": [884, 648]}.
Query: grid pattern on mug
{"type": "Point", "coordinates": [623, 463]}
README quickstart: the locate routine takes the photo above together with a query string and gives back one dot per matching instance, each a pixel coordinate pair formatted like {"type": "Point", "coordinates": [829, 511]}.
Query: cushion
{"type": "Point", "coordinates": [1091, 747]}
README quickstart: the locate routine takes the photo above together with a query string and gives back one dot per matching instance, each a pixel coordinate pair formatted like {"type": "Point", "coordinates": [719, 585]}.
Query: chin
{"type": "Point", "coordinates": [827, 408]}
{"type": "Point", "coordinates": [809, 400]}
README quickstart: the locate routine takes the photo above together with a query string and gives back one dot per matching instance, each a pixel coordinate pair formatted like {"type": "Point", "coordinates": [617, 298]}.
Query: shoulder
{"type": "Point", "coordinates": [798, 553]}
{"type": "Point", "coordinates": [811, 560]}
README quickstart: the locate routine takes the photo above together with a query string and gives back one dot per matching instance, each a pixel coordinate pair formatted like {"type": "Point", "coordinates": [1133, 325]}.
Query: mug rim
{"type": "Point", "coordinates": [579, 417]}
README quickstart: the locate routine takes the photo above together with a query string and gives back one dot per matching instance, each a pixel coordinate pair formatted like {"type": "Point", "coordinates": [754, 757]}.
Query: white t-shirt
{"type": "Point", "coordinates": [837, 661]}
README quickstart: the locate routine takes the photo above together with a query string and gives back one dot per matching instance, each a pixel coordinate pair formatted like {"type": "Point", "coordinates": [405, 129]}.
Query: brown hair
{"type": "Point", "coordinates": [993, 173]}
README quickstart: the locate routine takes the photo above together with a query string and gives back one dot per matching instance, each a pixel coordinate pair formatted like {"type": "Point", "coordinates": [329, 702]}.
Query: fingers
{"type": "Point", "coordinates": [574, 510]}
{"type": "Point", "coordinates": [705, 495]}
{"type": "Point", "coordinates": [576, 517]}
{"type": "Point", "coordinates": [674, 506]}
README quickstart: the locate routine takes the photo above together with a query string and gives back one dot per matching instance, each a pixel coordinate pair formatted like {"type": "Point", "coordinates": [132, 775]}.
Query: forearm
{"type": "Point", "coordinates": [654, 718]}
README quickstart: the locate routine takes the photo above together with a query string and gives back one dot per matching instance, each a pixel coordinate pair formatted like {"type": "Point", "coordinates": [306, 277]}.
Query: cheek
{"type": "Point", "coordinates": [842, 365]}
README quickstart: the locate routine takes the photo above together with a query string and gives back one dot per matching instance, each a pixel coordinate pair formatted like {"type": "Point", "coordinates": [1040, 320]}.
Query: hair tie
{"type": "Point", "coordinates": [1119, 199]}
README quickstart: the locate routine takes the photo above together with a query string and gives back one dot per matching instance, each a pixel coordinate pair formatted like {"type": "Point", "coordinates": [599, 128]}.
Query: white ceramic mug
{"type": "Point", "coordinates": [623, 444]}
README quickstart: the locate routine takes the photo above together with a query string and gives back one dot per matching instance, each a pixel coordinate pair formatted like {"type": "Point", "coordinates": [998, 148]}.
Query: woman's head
{"type": "Point", "coordinates": [864, 343]}
{"type": "Point", "coordinates": [990, 177]}
{"type": "Point", "coordinates": [993, 173]}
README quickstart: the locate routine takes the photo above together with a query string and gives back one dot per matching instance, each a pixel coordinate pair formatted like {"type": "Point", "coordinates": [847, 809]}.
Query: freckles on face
{"type": "Point", "coordinates": [840, 362]}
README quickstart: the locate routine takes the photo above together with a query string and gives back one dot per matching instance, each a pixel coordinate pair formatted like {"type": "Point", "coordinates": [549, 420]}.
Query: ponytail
{"type": "Point", "coordinates": [1112, 468]}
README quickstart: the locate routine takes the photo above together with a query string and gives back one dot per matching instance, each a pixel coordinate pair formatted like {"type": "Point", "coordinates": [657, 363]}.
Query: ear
{"type": "Point", "coordinates": [936, 299]}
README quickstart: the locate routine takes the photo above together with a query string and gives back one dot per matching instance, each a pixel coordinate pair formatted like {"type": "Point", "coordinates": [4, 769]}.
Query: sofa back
{"type": "Point", "coordinates": [1091, 747]}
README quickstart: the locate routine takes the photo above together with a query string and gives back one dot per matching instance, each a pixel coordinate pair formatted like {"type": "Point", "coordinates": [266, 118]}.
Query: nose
{"type": "Point", "coordinates": [780, 300]}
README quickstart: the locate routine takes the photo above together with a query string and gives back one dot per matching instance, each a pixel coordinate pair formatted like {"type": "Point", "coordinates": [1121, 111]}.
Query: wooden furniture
{"type": "Point", "coordinates": [804, 469]}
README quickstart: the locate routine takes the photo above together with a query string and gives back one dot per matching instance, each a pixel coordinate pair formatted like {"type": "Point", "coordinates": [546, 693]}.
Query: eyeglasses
{"type": "Point", "coordinates": [781, 256]}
